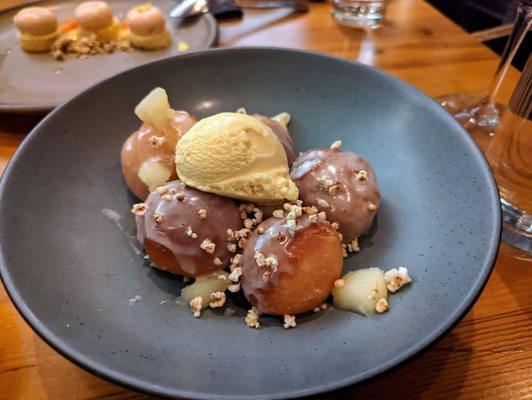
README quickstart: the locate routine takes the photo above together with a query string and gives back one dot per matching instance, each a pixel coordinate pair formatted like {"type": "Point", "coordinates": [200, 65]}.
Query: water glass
{"type": "Point", "coordinates": [365, 14]}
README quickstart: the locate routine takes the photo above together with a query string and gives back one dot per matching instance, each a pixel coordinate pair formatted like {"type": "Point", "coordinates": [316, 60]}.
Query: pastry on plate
{"type": "Point", "coordinates": [96, 17]}
{"type": "Point", "coordinates": [37, 28]}
{"type": "Point", "coordinates": [147, 28]}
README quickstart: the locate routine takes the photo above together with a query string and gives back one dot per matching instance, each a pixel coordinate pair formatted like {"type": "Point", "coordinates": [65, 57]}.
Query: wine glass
{"type": "Point", "coordinates": [510, 157]}
{"type": "Point", "coordinates": [480, 116]}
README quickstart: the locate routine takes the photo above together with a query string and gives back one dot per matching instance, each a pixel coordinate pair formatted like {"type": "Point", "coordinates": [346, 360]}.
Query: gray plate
{"type": "Point", "coordinates": [38, 83]}
{"type": "Point", "coordinates": [71, 272]}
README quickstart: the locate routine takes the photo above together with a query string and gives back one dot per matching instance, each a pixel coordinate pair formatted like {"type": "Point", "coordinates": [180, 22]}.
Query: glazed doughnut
{"type": "Point", "coordinates": [184, 231]}
{"type": "Point", "coordinates": [289, 266]}
{"type": "Point", "coordinates": [340, 183]}
{"type": "Point", "coordinates": [157, 149]}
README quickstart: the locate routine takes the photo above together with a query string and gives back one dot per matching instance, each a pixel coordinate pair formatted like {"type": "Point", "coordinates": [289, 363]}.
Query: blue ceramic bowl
{"type": "Point", "coordinates": [71, 272]}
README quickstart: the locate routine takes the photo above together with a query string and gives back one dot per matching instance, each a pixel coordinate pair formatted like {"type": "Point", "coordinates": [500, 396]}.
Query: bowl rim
{"type": "Point", "coordinates": [125, 380]}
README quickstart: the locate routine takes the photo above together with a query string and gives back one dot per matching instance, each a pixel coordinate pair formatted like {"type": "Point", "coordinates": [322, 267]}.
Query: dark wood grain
{"type": "Point", "coordinates": [487, 356]}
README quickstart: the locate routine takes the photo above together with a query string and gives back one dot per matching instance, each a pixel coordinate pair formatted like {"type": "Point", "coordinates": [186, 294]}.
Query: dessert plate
{"type": "Point", "coordinates": [70, 266]}
{"type": "Point", "coordinates": [36, 83]}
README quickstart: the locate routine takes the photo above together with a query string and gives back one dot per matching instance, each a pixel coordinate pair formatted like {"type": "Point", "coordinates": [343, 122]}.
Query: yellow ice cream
{"type": "Point", "coordinates": [235, 155]}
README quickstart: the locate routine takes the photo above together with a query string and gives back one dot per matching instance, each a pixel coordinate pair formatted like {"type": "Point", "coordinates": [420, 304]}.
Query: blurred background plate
{"type": "Point", "coordinates": [33, 83]}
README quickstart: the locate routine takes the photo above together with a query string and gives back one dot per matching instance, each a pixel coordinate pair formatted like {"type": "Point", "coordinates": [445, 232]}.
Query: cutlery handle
{"type": "Point", "coordinates": [225, 10]}
{"type": "Point", "coordinates": [268, 4]}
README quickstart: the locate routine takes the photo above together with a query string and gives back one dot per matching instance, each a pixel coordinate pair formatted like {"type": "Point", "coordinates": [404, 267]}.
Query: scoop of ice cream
{"type": "Point", "coordinates": [36, 21]}
{"type": "Point", "coordinates": [145, 20]}
{"type": "Point", "coordinates": [235, 155]}
{"type": "Point", "coordinates": [94, 15]}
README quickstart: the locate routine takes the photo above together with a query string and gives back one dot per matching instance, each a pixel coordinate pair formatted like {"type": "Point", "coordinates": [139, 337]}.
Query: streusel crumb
{"type": "Point", "coordinates": [252, 318]}
{"type": "Point", "coordinates": [195, 306]}
{"type": "Point", "coordinates": [235, 275]}
{"type": "Point", "coordinates": [190, 233]}
{"type": "Point", "coordinates": [158, 218]}
{"type": "Point", "coordinates": [278, 214]}
{"type": "Point", "coordinates": [289, 321]}
{"type": "Point", "coordinates": [208, 246]}
{"type": "Point", "coordinates": [139, 209]}
{"type": "Point", "coordinates": [161, 190]}
{"type": "Point", "coordinates": [217, 299]}
{"type": "Point", "coordinates": [156, 141]}
{"type": "Point", "coordinates": [396, 279]}
{"type": "Point", "coordinates": [202, 213]}
{"type": "Point", "coordinates": [381, 305]}
{"type": "Point", "coordinates": [326, 181]}
{"type": "Point", "coordinates": [336, 145]}
{"type": "Point", "coordinates": [353, 247]}
{"type": "Point", "coordinates": [333, 190]}
{"type": "Point", "coordinates": [361, 176]}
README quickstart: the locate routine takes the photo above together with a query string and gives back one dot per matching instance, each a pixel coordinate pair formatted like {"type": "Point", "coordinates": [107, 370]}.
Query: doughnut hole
{"type": "Point", "coordinates": [329, 180]}
{"type": "Point", "coordinates": [308, 264]}
{"type": "Point", "coordinates": [177, 239]}
{"type": "Point", "coordinates": [155, 147]}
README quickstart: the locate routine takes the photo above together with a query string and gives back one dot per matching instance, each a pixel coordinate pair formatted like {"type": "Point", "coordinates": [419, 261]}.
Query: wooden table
{"type": "Point", "coordinates": [488, 355]}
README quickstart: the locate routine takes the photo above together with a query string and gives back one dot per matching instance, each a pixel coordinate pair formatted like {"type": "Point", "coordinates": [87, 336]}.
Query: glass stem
{"type": "Point", "coordinates": [522, 23]}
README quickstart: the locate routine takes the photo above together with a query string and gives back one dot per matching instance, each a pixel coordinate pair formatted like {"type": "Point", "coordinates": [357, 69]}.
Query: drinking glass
{"type": "Point", "coordinates": [365, 14]}
{"type": "Point", "coordinates": [510, 157]}
{"type": "Point", "coordinates": [480, 116]}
